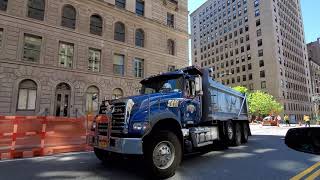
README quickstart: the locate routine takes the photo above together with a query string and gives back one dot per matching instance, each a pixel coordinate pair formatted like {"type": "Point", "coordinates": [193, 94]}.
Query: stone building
{"type": "Point", "coordinates": [259, 44]}
{"type": "Point", "coordinates": [314, 60]}
{"type": "Point", "coordinates": [55, 55]}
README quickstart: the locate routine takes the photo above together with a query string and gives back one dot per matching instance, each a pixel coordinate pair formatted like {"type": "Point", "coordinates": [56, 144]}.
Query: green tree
{"type": "Point", "coordinates": [260, 103]}
{"type": "Point", "coordinates": [241, 89]}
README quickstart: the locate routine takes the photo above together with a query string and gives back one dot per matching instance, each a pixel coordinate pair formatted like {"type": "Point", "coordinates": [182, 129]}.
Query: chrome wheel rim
{"type": "Point", "coordinates": [163, 154]}
{"type": "Point", "coordinates": [230, 132]}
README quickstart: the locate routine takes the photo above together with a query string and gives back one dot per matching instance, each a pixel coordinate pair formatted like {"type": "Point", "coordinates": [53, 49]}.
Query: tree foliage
{"type": "Point", "coordinates": [241, 89]}
{"type": "Point", "coordinates": [261, 103]}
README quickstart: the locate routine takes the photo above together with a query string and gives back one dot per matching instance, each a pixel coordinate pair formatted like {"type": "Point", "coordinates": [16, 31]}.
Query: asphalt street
{"type": "Point", "coordinates": [265, 157]}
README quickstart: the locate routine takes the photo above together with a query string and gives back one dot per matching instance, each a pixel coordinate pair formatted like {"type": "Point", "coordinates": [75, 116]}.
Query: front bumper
{"type": "Point", "coordinates": [120, 145]}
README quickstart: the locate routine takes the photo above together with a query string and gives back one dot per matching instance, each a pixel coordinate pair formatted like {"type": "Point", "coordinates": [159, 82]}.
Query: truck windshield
{"type": "Point", "coordinates": [161, 84]}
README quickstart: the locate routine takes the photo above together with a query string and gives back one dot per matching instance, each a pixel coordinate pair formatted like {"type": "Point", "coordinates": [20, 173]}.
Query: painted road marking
{"type": "Point", "coordinates": [314, 175]}
{"type": "Point", "coordinates": [307, 171]}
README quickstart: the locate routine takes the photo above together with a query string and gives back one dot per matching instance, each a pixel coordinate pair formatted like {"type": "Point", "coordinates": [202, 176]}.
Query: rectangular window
{"type": "Point", "coordinates": [118, 64]}
{"type": "Point", "coordinates": [260, 53]}
{"type": "Point", "coordinates": [140, 7]}
{"type": "Point", "coordinates": [259, 42]}
{"type": "Point", "coordinates": [263, 85]}
{"type": "Point", "coordinates": [251, 87]}
{"type": "Point", "coordinates": [121, 4]}
{"type": "Point", "coordinates": [66, 54]}
{"type": "Point", "coordinates": [36, 9]}
{"type": "Point", "coordinates": [94, 60]}
{"type": "Point", "coordinates": [259, 33]}
{"type": "Point", "coordinates": [171, 68]}
{"type": "Point", "coordinates": [258, 22]}
{"type": "Point", "coordinates": [32, 47]}
{"type": "Point", "coordinates": [138, 68]}
{"type": "Point", "coordinates": [257, 13]}
{"type": "Point", "coordinates": [262, 74]}
{"type": "Point", "coordinates": [261, 63]}
{"type": "Point", "coordinates": [3, 5]}
{"type": "Point", "coordinates": [170, 20]}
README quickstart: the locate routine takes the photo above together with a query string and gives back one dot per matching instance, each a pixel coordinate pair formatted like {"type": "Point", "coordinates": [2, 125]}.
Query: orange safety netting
{"type": "Point", "coordinates": [29, 136]}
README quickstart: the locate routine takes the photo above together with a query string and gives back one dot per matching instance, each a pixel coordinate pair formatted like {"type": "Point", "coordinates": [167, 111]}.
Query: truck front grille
{"type": "Point", "coordinates": [118, 118]}
{"type": "Point", "coordinates": [103, 129]}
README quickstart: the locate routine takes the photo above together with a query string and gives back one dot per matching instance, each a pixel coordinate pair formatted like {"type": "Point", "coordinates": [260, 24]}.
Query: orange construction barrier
{"type": "Point", "coordinates": [29, 136]}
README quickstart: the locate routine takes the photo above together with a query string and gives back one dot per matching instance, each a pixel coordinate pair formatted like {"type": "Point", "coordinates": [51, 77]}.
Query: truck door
{"type": "Point", "coordinates": [192, 106]}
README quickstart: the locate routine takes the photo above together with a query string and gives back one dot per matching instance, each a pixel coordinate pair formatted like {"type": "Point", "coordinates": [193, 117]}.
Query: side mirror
{"type": "Point", "coordinates": [304, 139]}
{"type": "Point", "coordinates": [198, 85]}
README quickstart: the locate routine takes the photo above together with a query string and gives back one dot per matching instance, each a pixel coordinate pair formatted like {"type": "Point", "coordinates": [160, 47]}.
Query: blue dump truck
{"type": "Point", "coordinates": [176, 113]}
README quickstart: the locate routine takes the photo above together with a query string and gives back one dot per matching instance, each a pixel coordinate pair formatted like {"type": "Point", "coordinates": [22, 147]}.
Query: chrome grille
{"type": "Point", "coordinates": [118, 118]}
{"type": "Point", "coordinates": [103, 129]}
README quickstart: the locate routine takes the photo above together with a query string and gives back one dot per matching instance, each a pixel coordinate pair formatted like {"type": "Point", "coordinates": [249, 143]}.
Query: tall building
{"type": "Point", "coordinates": [257, 44]}
{"type": "Point", "coordinates": [314, 51]}
{"type": "Point", "coordinates": [55, 55]}
{"type": "Point", "coordinates": [314, 60]}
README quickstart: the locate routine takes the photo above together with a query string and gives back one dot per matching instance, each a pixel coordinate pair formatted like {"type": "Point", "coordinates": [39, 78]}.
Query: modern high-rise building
{"type": "Point", "coordinates": [55, 55]}
{"type": "Point", "coordinates": [258, 44]}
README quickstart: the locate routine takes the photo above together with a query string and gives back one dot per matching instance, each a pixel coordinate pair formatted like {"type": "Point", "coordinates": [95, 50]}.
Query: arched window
{"type": "Point", "coordinates": [139, 38]}
{"type": "Point", "coordinates": [171, 47]}
{"type": "Point", "coordinates": [68, 17]}
{"type": "Point", "coordinates": [27, 95]}
{"type": "Point", "coordinates": [117, 93]}
{"type": "Point", "coordinates": [119, 32]}
{"type": "Point", "coordinates": [92, 99]}
{"type": "Point", "coordinates": [3, 5]}
{"type": "Point", "coordinates": [36, 9]}
{"type": "Point", "coordinates": [96, 24]}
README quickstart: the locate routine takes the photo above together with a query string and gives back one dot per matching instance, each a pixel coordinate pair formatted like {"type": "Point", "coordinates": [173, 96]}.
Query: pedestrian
{"type": "Point", "coordinates": [306, 118]}
{"type": "Point", "coordinates": [286, 119]}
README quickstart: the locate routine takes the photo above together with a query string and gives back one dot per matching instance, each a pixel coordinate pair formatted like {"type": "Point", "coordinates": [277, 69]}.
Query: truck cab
{"type": "Point", "coordinates": [176, 113]}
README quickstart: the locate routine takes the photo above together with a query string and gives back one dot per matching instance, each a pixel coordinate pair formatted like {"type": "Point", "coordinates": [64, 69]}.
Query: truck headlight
{"type": "Point", "coordinates": [141, 126]}
{"type": "Point", "coordinates": [94, 126]}
{"type": "Point", "coordinates": [130, 105]}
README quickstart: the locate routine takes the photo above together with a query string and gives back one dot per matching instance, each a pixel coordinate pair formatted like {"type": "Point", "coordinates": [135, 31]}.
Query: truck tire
{"type": "Point", "coordinates": [229, 132]}
{"type": "Point", "coordinates": [163, 154]}
{"type": "Point", "coordinates": [238, 134]}
{"type": "Point", "coordinates": [245, 132]}
{"type": "Point", "coordinates": [102, 155]}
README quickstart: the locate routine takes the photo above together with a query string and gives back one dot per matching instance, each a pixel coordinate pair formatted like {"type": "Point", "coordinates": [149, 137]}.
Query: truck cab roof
{"type": "Point", "coordinates": [191, 70]}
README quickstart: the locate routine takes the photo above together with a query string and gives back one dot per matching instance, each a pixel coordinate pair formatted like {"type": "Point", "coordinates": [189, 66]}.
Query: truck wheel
{"type": "Point", "coordinates": [238, 135]}
{"type": "Point", "coordinates": [163, 154]}
{"type": "Point", "coordinates": [230, 132]}
{"type": "Point", "coordinates": [102, 155]}
{"type": "Point", "coordinates": [245, 133]}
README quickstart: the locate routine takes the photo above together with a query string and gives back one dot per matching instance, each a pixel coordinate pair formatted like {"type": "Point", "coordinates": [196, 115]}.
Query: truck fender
{"type": "Point", "coordinates": [165, 121]}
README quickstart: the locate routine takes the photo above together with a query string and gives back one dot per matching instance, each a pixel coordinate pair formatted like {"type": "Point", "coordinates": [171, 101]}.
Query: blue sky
{"type": "Point", "coordinates": [310, 11]}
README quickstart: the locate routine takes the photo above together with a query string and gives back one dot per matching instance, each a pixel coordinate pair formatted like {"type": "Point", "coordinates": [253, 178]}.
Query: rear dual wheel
{"type": "Point", "coordinates": [236, 133]}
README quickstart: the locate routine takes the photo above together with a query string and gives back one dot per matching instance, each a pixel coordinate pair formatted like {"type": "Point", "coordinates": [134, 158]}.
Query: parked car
{"type": "Point", "coordinates": [270, 121]}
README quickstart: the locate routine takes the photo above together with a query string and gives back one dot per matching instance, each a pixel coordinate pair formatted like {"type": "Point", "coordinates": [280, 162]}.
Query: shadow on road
{"type": "Point", "coordinates": [264, 157]}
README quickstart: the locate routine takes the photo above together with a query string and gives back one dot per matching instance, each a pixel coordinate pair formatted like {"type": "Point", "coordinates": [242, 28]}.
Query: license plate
{"type": "Point", "coordinates": [103, 142]}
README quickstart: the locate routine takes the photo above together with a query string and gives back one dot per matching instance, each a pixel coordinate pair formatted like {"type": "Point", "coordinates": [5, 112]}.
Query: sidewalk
{"type": "Point", "coordinates": [281, 130]}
